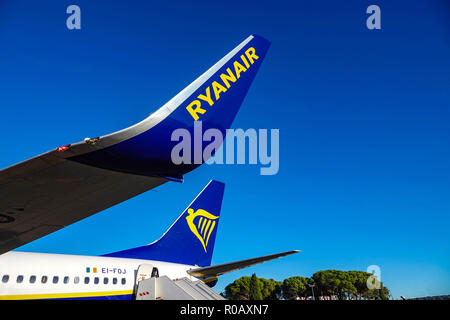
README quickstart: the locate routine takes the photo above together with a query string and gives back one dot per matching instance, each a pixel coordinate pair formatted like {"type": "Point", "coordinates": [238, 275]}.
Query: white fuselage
{"type": "Point", "coordinates": [58, 276]}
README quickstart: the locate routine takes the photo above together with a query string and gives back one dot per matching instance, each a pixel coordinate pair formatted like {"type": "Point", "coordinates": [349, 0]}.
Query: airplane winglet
{"type": "Point", "coordinates": [212, 99]}
{"type": "Point", "coordinates": [77, 180]}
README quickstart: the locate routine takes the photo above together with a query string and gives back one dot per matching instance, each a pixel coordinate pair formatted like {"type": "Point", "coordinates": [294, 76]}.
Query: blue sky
{"type": "Point", "coordinates": [363, 115]}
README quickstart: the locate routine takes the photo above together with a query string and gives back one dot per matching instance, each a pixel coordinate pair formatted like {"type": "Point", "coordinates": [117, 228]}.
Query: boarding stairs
{"type": "Point", "coordinates": [163, 288]}
{"type": "Point", "coordinates": [149, 286]}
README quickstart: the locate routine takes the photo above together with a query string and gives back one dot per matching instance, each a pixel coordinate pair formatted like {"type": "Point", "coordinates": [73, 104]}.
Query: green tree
{"type": "Point", "coordinates": [359, 279]}
{"type": "Point", "coordinates": [271, 289]}
{"type": "Point", "coordinates": [327, 282]}
{"type": "Point", "coordinates": [239, 289]}
{"type": "Point", "coordinates": [343, 284]}
{"type": "Point", "coordinates": [335, 282]}
{"type": "Point", "coordinates": [255, 288]}
{"type": "Point", "coordinates": [294, 287]}
{"type": "Point", "coordinates": [385, 294]}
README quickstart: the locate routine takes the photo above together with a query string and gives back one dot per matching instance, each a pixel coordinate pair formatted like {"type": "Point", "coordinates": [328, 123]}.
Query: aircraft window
{"type": "Point", "coordinates": [76, 280]}
{"type": "Point", "coordinates": [44, 279]}
{"type": "Point", "coordinates": [86, 280]}
{"type": "Point", "coordinates": [55, 279]}
{"type": "Point", "coordinates": [124, 280]}
{"type": "Point", "coordinates": [32, 279]}
{"type": "Point", "coordinates": [96, 280]}
{"type": "Point", "coordinates": [66, 280]}
{"type": "Point", "coordinates": [155, 273]}
{"type": "Point", "coordinates": [19, 279]}
{"type": "Point", "coordinates": [114, 280]}
{"type": "Point", "coordinates": [5, 278]}
{"type": "Point", "coordinates": [105, 280]}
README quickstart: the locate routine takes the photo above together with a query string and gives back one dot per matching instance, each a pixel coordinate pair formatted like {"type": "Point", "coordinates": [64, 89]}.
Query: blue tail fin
{"type": "Point", "coordinates": [190, 240]}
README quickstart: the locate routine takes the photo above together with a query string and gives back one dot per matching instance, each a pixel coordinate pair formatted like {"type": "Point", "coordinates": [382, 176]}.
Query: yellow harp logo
{"type": "Point", "coordinates": [203, 227]}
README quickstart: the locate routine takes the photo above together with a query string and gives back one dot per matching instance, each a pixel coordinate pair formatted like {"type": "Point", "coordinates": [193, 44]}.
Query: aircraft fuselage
{"type": "Point", "coordinates": [58, 276]}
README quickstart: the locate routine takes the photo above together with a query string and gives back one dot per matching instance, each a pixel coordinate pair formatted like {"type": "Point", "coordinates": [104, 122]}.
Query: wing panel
{"type": "Point", "coordinates": [36, 200]}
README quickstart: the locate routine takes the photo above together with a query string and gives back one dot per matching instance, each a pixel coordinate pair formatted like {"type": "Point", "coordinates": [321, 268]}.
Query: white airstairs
{"type": "Point", "coordinates": [163, 288]}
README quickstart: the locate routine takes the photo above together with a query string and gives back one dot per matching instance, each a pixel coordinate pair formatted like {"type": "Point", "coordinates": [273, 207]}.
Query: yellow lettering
{"type": "Point", "coordinates": [218, 89]}
{"type": "Point", "coordinates": [245, 61]}
{"type": "Point", "coordinates": [207, 98]}
{"type": "Point", "coordinates": [197, 109]}
{"type": "Point", "coordinates": [238, 68]}
{"type": "Point", "coordinates": [250, 53]}
{"type": "Point", "coordinates": [194, 108]}
{"type": "Point", "coordinates": [230, 77]}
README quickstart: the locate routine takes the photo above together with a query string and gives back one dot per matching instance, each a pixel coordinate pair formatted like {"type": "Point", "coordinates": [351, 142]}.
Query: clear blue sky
{"type": "Point", "coordinates": [363, 116]}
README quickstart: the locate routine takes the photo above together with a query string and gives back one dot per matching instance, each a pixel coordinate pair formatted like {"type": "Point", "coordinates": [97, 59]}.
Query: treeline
{"type": "Point", "coordinates": [328, 284]}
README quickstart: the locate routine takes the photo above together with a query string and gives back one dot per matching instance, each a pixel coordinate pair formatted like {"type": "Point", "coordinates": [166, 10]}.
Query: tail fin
{"type": "Point", "coordinates": [190, 240]}
{"type": "Point", "coordinates": [210, 102]}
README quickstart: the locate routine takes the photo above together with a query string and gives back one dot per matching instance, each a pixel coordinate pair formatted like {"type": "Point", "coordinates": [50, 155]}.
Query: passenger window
{"type": "Point", "coordinates": [19, 279]}
{"type": "Point", "coordinates": [55, 279]}
{"type": "Point", "coordinates": [86, 280]}
{"type": "Point", "coordinates": [5, 278]}
{"type": "Point", "coordinates": [32, 279]}
{"type": "Point", "coordinates": [96, 280]}
{"type": "Point", "coordinates": [105, 280]}
{"type": "Point", "coordinates": [124, 280]}
{"type": "Point", "coordinates": [76, 280]}
{"type": "Point", "coordinates": [44, 279]}
{"type": "Point", "coordinates": [114, 280]}
{"type": "Point", "coordinates": [66, 280]}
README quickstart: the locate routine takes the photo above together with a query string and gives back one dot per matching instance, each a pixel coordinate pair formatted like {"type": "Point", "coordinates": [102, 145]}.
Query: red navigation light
{"type": "Point", "coordinates": [63, 148]}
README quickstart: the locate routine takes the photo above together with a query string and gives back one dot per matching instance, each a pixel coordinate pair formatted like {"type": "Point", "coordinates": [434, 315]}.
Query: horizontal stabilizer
{"type": "Point", "coordinates": [219, 269]}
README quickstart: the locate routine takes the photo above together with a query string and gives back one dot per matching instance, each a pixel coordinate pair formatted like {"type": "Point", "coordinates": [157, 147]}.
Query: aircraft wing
{"type": "Point", "coordinates": [55, 189]}
{"type": "Point", "coordinates": [219, 269]}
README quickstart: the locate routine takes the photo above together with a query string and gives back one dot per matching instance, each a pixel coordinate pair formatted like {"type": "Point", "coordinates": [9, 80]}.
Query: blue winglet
{"type": "Point", "coordinates": [213, 99]}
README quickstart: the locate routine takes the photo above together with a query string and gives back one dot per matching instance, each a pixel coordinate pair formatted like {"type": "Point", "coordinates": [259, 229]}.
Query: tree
{"type": "Point", "coordinates": [239, 289]}
{"type": "Point", "coordinates": [343, 284]}
{"type": "Point", "coordinates": [271, 289]}
{"type": "Point", "coordinates": [255, 288]}
{"type": "Point", "coordinates": [294, 287]}
{"type": "Point", "coordinates": [359, 279]}
{"type": "Point", "coordinates": [385, 294]}
{"type": "Point", "coordinates": [327, 282]}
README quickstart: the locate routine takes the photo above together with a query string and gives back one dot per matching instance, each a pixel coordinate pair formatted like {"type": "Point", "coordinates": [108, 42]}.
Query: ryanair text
{"type": "Point", "coordinates": [206, 100]}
